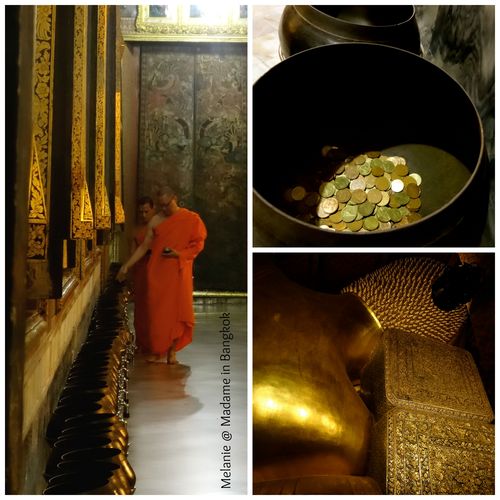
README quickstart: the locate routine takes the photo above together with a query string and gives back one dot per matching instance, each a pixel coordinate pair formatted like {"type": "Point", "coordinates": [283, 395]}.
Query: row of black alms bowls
{"type": "Point", "coordinates": [87, 431]}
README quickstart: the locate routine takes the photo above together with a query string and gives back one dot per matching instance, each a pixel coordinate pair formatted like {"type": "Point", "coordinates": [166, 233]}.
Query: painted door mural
{"type": "Point", "coordinates": [193, 137]}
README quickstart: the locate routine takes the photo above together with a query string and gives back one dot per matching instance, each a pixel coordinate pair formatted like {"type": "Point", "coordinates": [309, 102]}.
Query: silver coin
{"type": "Point", "coordinates": [397, 160]}
{"type": "Point", "coordinates": [358, 183]}
{"type": "Point", "coordinates": [397, 185]}
{"type": "Point", "coordinates": [329, 205]}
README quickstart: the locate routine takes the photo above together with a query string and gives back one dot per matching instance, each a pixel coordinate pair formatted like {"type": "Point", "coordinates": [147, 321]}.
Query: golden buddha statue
{"type": "Point", "coordinates": [313, 433]}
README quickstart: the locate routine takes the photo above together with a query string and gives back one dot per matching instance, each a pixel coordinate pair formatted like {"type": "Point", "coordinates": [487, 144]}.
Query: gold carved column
{"type": "Point", "coordinates": [82, 220]}
{"type": "Point", "coordinates": [39, 283]}
{"type": "Point", "coordinates": [102, 208]}
{"type": "Point", "coordinates": [119, 212]}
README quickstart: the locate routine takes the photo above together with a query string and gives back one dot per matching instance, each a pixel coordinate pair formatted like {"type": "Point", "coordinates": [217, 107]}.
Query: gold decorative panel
{"type": "Point", "coordinates": [421, 374]}
{"type": "Point", "coordinates": [427, 454]}
{"type": "Point", "coordinates": [400, 296]}
{"type": "Point", "coordinates": [102, 208]}
{"type": "Point", "coordinates": [119, 212]}
{"type": "Point", "coordinates": [37, 211]}
{"type": "Point", "coordinates": [193, 23]}
{"type": "Point", "coordinates": [82, 224]}
{"type": "Point", "coordinates": [39, 189]}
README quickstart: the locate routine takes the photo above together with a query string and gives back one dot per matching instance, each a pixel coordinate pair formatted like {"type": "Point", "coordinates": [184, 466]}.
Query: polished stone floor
{"type": "Point", "coordinates": [176, 437]}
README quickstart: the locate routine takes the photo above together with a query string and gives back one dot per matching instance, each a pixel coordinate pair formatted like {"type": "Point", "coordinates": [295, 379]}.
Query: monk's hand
{"type": "Point", "coordinates": [122, 273]}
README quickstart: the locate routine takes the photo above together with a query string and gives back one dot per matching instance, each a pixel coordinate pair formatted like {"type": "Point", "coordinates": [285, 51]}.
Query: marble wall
{"type": "Point", "coordinates": [461, 40]}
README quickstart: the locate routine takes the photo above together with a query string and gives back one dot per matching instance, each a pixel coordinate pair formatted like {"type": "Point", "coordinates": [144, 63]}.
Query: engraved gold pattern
{"type": "Point", "coordinates": [81, 211]}
{"type": "Point", "coordinates": [86, 204]}
{"type": "Point", "coordinates": [37, 241]}
{"type": "Point", "coordinates": [37, 208]}
{"type": "Point", "coordinates": [102, 212]}
{"type": "Point", "coordinates": [42, 129]}
{"type": "Point", "coordinates": [179, 26]}
{"type": "Point", "coordinates": [42, 87]}
{"type": "Point", "coordinates": [400, 296]}
{"type": "Point", "coordinates": [423, 453]}
{"type": "Point", "coordinates": [421, 374]}
{"type": "Point", "coordinates": [119, 212]}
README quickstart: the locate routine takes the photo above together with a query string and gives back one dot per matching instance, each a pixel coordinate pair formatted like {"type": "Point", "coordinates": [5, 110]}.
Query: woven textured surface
{"type": "Point", "coordinates": [420, 453]}
{"type": "Point", "coordinates": [400, 296]}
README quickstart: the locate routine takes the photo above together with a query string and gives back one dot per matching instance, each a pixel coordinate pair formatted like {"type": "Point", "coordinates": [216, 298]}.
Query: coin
{"type": "Point", "coordinates": [397, 185]}
{"type": "Point", "coordinates": [371, 223]}
{"type": "Point", "coordinates": [344, 195]}
{"type": "Point", "coordinates": [401, 170]}
{"type": "Point", "coordinates": [341, 182]}
{"type": "Point", "coordinates": [383, 214]}
{"type": "Point", "coordinates": [321, 212]}
{"type": "Point", "coordinates": [330, 205]}
{"type": "Point", "coordinates": [366, 208]}
{"type": "Point", "coordinates": [340, 169]}
{"type": "Point", "coordinates": [404, 211]}
{"type": "Point", "coordinates": [374, 196]}
{"type": "Point", "coordinates": [359, 160]}
{"type": "Point", "coordinates": [355, 226]}
{"type": "Point", "coordinates": [358, 196]}
{"type": "Point", "coordinates": [414, 217]}
{"type": "Point", "coordinates": [349, 213]}
{"type": "Point", "coordinates": [417, 178]}
{"type": "Point", "coordinates": [298, 193]}
{"type": "Point", "coordinates": [414, 204]}
{"type": "Point", "coordinates": [413, 190]}
{"type": "Point", "coordinates": [373, 154]}
{"type": "Point", "coordinates": [388, 166]}
{"type": "Point", "coordinates": [341, 226]}
{"type": "Point", "coordinates": [327, 189]}
{"type": "Point", "coordinates": [408, 180]}
{"type": "Point", "coordinates": [394, 201]}
{"type": "Point", "coordinates": [377, 168]}
{"type": "Point", "coordinates": [370, 181]}
{"type": "Point", "coordinates": [334, 218]}
{"type": "Point", "coordinates": [365, 169]}
{"type": "Point", "coordinates": [351, 171]}
{"type": "Point", "coordinates": [397, 160]}
{"type": "Point", "coordinates": [382, 183]}
{"type": "Point", "coordinates": [358, 183]}
{"type": "Point", "coordinates": [385, 199]}
{"type": "Point", "coordinates": [395, 214]}
{"type": "Point", "coordinates": [403, 198]}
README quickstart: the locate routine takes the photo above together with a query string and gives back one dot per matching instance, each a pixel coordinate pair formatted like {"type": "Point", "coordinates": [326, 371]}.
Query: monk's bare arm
{"type": "Point", "coordinates": [140, 250]}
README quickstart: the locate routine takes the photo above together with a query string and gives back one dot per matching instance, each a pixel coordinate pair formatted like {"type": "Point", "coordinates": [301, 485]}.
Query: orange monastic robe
{"type": "Point", "coordinates": [140, 294]}
{"type": "Point", "coordinates": [170, 280]}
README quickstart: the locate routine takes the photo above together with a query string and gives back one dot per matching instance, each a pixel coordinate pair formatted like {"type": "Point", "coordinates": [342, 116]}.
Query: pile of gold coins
{"type": "Point", "coordinates": [366, 193]}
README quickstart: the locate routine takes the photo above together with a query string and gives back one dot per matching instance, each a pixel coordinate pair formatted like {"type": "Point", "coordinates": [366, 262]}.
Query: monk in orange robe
{"type": "Point", "coordinates": [176, 236]}
{"type": "Point", "coordinates": [139, 277]}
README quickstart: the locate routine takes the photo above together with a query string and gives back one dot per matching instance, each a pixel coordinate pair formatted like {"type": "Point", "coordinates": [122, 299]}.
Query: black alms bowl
{"type": "Point", "coordinates": [363, 97]}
